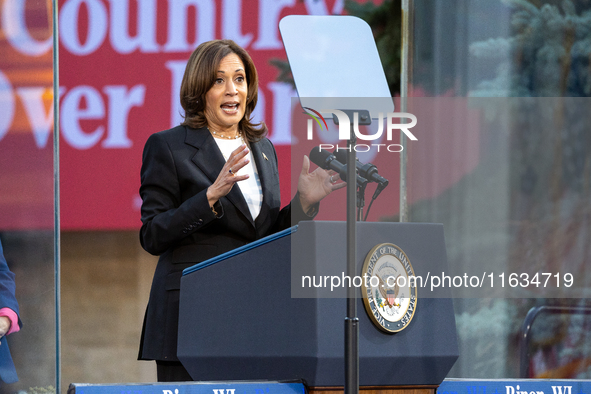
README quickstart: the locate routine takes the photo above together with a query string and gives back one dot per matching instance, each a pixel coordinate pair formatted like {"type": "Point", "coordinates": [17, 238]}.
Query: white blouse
{"type": "Point", "coordinates": [251, 188]}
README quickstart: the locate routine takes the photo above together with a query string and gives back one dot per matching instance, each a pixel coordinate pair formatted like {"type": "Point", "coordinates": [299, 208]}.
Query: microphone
{"type": "Point", "coordinates": [368, 170]}
{"type": "Point", "coordinates": [325, 159]}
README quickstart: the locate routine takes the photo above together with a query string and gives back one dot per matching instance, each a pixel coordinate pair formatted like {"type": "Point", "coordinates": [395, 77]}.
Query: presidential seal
{"type": "Point", "coordinates": [389, 288]}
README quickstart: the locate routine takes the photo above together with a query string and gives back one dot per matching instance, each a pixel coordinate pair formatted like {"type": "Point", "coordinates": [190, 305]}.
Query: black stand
{"type": "Point", "coordinates": [355, 196]}
{"type": "Point", "coordinates": [351, 320]}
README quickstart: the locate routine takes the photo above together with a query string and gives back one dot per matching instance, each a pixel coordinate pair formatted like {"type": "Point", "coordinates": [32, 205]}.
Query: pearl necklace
{"type": "Point", "coordinates": [215, 134]}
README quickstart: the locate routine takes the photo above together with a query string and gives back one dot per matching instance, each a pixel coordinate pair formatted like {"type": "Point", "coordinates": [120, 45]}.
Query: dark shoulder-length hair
{"type": "Point", "coordinates": [200, 75]}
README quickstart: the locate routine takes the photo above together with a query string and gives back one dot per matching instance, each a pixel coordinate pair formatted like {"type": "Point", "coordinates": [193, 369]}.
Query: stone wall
{"type": "Point", "coordinates": [106, 279]}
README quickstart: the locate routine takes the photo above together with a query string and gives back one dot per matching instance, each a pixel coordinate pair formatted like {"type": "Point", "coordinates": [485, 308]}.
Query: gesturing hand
{"type": "Point", "coordinates": [314, 186]}
{"type": "Point", "coordinates": [227, 176]}
{"type": "Point", "coordinates": [4, 325]}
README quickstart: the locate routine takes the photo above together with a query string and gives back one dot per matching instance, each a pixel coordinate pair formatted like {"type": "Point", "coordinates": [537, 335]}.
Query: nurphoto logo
{"type": "Point", "coordinates": [345, 128]}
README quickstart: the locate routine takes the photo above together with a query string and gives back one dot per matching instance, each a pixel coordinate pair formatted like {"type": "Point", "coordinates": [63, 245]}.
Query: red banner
{"type": "Point", "coordinates": [121, 64]}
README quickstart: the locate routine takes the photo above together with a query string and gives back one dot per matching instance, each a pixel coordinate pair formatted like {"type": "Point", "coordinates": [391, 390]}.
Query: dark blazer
{"type": "Point", "coordinates": [178, 166]}
{"type": "Point", "coordinates": [7, 300]}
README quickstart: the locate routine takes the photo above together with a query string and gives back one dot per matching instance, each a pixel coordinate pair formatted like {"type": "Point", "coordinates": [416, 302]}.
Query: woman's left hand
{"type": "Point", "coordinates": [4, 325]}
{"type": "Point", "coordinates": [314, 186]}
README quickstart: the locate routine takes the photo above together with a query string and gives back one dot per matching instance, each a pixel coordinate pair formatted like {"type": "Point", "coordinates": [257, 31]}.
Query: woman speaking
{"type": "Point", "coordinates": [209, 186]}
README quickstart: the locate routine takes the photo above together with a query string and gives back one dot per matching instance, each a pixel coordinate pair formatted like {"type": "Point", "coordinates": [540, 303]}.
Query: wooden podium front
{"type": "Point", "coordinates": [378, 390]}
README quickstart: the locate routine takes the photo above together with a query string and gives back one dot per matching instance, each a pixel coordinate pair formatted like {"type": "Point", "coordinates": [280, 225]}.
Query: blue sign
{"type": "Point", "coordinates": [190, 388]}
{"type": "Point", "coordinates": [514, 386]}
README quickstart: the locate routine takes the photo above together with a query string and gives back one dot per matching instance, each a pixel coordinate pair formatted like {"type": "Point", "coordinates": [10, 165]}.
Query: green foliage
{"type": "Point", "coordinates": [285, 74]}
{"type": "Point", "coordinates": [385, 21]}
{"type": "Point", "coordinates": [549, 51]}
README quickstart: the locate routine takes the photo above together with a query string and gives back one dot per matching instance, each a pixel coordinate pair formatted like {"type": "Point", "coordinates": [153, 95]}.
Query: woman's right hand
{"type": "Point", "coordinates": [227, 176]}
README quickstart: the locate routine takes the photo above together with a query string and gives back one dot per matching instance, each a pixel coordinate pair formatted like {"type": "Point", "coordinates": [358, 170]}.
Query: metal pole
{"type": "Point", "coordinates": [404, 81]}
{"type": "Point", "coordinates": [56, 197]}
{"type": "Point", "coordinates": [351, 321]}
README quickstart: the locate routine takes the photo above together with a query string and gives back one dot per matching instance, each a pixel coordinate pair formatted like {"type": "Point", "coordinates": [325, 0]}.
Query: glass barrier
{"type": "Point", "coordinates": [512, 189]}
{"type": "Point", "coordinates": [27, 189]}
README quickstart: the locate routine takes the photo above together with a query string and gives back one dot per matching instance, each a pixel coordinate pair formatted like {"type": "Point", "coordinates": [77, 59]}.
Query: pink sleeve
{"type": "Point", "coordinates": [9, 313]}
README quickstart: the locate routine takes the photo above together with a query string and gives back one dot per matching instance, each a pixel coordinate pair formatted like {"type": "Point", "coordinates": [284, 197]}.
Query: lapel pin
{"type": "Point", "coordinates": [265, 156]}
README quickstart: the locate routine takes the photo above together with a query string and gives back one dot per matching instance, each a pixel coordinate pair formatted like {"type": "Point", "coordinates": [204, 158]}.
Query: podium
{"type": "Point", "coordinates": [239, 321]}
